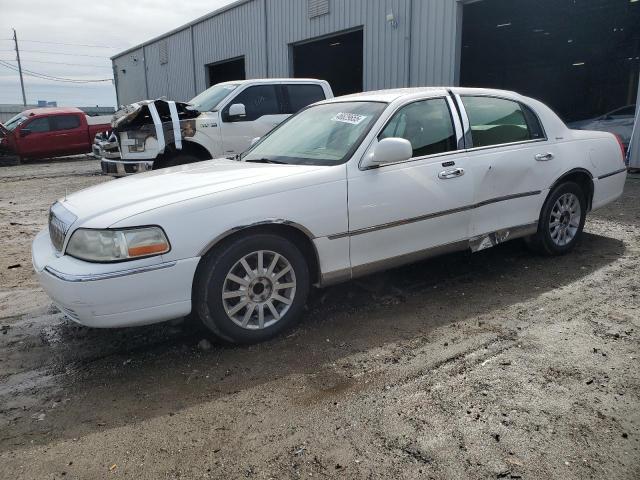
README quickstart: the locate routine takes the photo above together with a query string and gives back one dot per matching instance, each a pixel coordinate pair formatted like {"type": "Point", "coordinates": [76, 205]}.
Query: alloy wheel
{"type": "Point", "coordinates": [259, 289]}
{"type": "Point", "coordinates": [565, 218]}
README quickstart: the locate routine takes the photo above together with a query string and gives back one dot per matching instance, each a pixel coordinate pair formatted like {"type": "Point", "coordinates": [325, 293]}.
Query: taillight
{"type": "Point", "coordinates": [624, 153]}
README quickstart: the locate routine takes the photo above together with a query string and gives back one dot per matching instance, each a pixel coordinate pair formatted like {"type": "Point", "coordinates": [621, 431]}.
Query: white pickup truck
{"type": "Point", "coordinates": [222, 121]}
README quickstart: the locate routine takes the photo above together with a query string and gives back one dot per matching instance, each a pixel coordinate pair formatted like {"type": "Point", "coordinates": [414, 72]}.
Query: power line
{"type": "Point", "coordinates": [52, 77]}
{"type": "Point", "coordinates": [63, 53]}
{"type": "Point", "coordinates": [55, 53]}
{"type": "Point", "coordinates": [60, 43]}
{"type": "Point", "coordinates": [57, 63]}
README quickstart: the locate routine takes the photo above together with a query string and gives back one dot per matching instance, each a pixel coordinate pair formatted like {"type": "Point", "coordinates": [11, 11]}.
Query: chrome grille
{"type": "Point", "coordinates": [60, 220]}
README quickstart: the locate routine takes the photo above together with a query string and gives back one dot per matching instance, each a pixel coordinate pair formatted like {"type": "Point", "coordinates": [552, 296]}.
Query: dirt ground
{"type": "Point", "coordinates": [499, 364]}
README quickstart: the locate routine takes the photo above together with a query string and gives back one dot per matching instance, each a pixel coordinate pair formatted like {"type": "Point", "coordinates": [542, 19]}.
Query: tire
{"type": "Point", "coordinates": [266, 311]}
{"type": "Point", "coordinates": [174, 161]}
{"type": "Point", "coordinates": [561, 220]}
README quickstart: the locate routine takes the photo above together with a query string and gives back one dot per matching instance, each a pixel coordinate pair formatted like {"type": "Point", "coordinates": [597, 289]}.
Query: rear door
{"type": "Point", "coordinates": [34, 139]}
{"type": "Point", "coordinates": [514, 163]}
{"type": "Point", "coordinates": [69, 135]}
{"type": "Point", "coordinates": [264, 110]}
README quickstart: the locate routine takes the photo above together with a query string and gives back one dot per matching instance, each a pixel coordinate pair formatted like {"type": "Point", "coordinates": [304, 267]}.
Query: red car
{"type": "Point", "coordinates": [50, 132]}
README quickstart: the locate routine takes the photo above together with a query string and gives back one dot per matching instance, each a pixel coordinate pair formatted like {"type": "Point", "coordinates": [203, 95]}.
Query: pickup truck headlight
{"type": "Point", "coordinates": [117, 245]}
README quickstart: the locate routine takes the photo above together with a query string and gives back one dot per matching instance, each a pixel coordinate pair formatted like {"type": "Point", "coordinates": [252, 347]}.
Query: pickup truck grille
{"type": "Point", "coordinates": [60, 220]}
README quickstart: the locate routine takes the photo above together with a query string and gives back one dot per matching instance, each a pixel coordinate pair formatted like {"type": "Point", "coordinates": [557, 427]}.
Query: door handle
{"type": "Point", "coordinates": [447, 174]}
{"type": "Point", "coordinates": [544, 157]}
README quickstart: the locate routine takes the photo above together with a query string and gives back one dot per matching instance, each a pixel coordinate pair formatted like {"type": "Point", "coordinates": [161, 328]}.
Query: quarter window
{"type": "Point", "coordinates": [426, 124]}
{"type": "Point", "coordinates": [38, 125]}
{"type": "Point", "coordinates": [301, 95]}
{"type": "Point", "coordinates": [496, 121]}
{"type": "Point", "coordinates": [65, 122]}
{"type": "Point", "coordinates": [258, 101]}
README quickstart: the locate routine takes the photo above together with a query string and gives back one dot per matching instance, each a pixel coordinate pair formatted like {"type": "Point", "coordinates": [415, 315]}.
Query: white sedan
{"type": "Point", "coordinates": [344, 188]}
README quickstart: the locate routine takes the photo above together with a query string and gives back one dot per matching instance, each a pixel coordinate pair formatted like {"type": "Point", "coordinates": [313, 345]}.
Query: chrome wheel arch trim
{"type": "Point", "coordinates": [268, 222]}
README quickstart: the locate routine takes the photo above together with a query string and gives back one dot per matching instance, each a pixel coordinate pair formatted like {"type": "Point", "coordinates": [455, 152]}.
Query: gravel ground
{"type": "Point", "coordinates": [499, 364]}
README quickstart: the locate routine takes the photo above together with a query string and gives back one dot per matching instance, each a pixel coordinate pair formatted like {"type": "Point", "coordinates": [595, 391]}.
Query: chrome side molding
{"type": "Point", "coordinates": [67, 277]}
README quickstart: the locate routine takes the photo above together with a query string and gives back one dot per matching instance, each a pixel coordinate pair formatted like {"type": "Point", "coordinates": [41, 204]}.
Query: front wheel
{"type": "Point", "coordinates": [561, 220]}
{"type": "Point", "coordinates": [251, 289]}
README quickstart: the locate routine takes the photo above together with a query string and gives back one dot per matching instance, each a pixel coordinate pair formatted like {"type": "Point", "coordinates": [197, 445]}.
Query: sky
{"type": "Point", "coordinates": [74, 40]}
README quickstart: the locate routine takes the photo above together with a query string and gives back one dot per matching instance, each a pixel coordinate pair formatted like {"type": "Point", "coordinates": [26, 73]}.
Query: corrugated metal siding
{"type": "Point", "coordinates": [131, 84]}
{"type": "Point", "coordinates": [385, 63]}
{"type": "Point", "coordinates": [173, 79]}
{"type": "Point", "coordinates": [234, 33]}
{"type": "Point", "coordinates": [420, 51]}
{"type": "Point", "coordinates": [433, 42]}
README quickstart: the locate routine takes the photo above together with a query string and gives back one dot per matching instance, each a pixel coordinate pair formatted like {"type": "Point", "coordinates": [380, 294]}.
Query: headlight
{"type": "Point", "coordinates": [117, 245]}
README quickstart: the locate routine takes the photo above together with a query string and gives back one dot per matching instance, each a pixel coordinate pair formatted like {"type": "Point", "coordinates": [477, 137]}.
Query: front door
{"type": "Point", "coordinates": [263, 112]}
{"type": "Point", "coordinates": [34, 138]}
{"type": "Point", "coordinates": [400, 212]}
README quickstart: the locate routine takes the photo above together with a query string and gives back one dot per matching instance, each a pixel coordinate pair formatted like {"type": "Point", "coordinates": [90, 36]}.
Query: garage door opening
{"type": "Point", "coordinates": [336, 59]}
{"type": "Point", "coordinates": [581, 57]}
{"type": "Point", "coordinates": [226, 71]}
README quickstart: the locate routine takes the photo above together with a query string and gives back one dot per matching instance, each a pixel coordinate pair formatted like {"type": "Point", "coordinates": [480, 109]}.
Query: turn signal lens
{"type": "Point", "coordinates": [117, 245]}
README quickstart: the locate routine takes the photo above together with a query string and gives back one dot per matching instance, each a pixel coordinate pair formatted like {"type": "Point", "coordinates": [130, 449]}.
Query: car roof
{"type": "Point", "coordinates": [50, 111]}
{"type": "Point", "coordinates": [391, 95]}
{"type": "Point", "coordinates": [273, 80]}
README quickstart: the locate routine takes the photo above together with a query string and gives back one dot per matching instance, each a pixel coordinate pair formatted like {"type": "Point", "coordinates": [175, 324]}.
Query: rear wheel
{"type": "Point", "coordinates": [251, 289]}
{"type": "Point", "coordinates": [561, 220]}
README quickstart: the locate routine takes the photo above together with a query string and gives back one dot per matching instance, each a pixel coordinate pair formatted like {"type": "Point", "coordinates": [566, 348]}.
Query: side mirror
{"type": "Point", "coordinates": [237, 110]}
{"type": "Point", "coordinates": [389, 150]}
{"type": "Point", "coordinates": [24, 132]}
{"type": "Point", "coordinates": [254, 141]}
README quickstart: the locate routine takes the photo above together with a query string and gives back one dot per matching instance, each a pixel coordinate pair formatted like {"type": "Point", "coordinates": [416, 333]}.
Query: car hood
{"type": "Point", "coordinates": [102, 205]}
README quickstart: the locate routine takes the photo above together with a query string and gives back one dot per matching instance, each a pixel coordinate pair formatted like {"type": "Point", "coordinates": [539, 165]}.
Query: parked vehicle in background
{"type": "Point", "coordinates": [619, 121]}
{"type": "Point", "coordinates": [221, 121]}
{"type": "Point", "coordinates": [344, 188]}
{"type": "Point", "coordinates": [50, 132]}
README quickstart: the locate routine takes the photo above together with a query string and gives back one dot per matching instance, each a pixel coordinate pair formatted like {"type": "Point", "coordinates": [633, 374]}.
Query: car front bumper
{"type": "Point", "coordinates": [122, 168]}
{"type": "Point", "coordinates": [113, 295]}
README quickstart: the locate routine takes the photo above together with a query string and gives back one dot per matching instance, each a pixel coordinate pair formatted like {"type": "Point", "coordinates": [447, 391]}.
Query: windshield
{"type": "Point", "coordinates": [211, 97]}
{"type": "Point", "coordinates": [14, 122]}
{"type": "Point", "coordinates": [320, 135]}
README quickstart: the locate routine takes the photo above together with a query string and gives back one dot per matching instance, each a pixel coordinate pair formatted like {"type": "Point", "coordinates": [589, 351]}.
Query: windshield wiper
{"type": "Point", "coordinates": [265, 160]}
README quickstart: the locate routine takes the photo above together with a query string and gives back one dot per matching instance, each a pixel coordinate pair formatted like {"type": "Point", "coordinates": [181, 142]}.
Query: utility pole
{"type": "Point", "coordinates": [15, 40]}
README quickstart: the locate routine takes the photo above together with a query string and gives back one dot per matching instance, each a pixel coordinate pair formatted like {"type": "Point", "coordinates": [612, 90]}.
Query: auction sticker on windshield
{"type": "Point", "coordinates": [352, 118]}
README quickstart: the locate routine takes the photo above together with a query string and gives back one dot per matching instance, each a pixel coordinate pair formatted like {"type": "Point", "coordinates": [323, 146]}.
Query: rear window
{"type": "Point", "coordinates": [301, 95]}
{"type": "Point", "coordinates": [496, 121]}
{"type": "Point", "coordinates": [65, 122]}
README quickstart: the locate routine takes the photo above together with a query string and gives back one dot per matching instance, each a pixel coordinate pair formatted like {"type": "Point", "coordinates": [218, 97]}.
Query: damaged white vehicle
{"type": "Point", "coordinates": [344, 188]}
{"type": "Point", "coordinates": [222, 121]}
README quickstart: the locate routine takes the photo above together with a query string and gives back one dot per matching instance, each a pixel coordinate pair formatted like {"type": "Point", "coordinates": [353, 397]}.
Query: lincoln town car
{"type": "Point", "coordinates": [345, 187]}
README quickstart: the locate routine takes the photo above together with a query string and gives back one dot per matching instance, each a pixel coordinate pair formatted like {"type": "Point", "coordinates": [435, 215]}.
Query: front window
{"type": "Point", "coordinates": [211, 97]}
{"type": "Point", "coordinates": [426, 124]}
{"type": "Point", "coordinates": [39, 125]}
{"type": "Point", "coordinates": [14, 122]}
{"type": "Point", "coordinates": [320, 135]}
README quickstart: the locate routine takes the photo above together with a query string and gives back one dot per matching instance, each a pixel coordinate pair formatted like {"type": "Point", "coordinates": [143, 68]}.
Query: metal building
{"type": "Point", "coordinates": [403, 43]}
{"type": "Point", "coordinates": [581, 57]}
